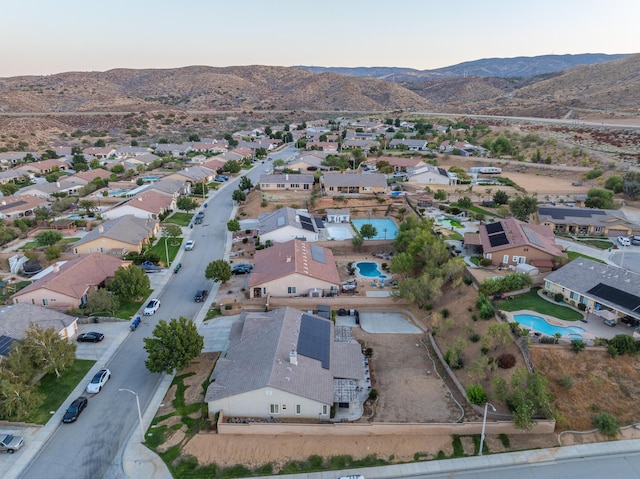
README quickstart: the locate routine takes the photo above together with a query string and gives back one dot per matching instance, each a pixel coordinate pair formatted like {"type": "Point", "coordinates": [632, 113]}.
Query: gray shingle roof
{"type": "Point", "coordinates": [128, 229]}
{"type": "Point", "coordinates": [354, 179]}
{"type": "Point", "coordinates": [273, 220]}
{"type": "Point", "coordinates": [259, 357]}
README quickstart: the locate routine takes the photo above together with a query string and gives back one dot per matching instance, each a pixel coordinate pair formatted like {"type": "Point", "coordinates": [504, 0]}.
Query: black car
{"type": "Point", "coordinates": [74, 410]}
{"type": "Point", "coordinates": [342, 312]}
{"type": "Point", "coordinates": [91, 337]}
{"type": "Point", "coordinates": [242, 268]}
{"type": "Point", "coordinates": [201, 295]}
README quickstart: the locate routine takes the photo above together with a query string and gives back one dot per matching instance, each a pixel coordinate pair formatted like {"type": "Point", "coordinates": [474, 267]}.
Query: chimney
{"type": "Point", "coordinates": [286, 177]}
{"type": "Point", "coordinates": [293, 357]}
{"type": "Point", "coordinates": [100, 229]}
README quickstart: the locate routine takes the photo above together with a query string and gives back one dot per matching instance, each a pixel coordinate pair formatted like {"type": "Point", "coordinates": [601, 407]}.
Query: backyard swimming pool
{"type": "Point", "coordinates": [387, 229]}
{"type": "Point", "coordinates": [541, 325]}
{"type": "Point", "coordinates": [368, 269]}
{"type": "Point", "coordinates": [117, 192]}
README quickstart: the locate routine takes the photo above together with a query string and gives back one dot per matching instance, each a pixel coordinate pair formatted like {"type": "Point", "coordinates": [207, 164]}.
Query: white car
{"type": "Point", "coordinates": [151, 307]}
{"type": "Point", "coordinates": [624, 241]}
{"type": "Point", "coordinates": [98, 381]}
{"type": "Point", "coordinates": [188, 246]}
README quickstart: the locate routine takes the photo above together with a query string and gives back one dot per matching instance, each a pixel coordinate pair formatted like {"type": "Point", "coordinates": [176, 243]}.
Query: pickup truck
{"type": "Point", "coordinates": [149, 267]}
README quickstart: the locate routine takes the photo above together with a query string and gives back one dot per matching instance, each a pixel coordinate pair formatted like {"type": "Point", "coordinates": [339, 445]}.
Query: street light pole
{"type": "Point", "coordinates": [484, 423]}
{"type": "Point", "coordinates": [139, 413]}
{"type": "Point", "coordinates": [166, 250]}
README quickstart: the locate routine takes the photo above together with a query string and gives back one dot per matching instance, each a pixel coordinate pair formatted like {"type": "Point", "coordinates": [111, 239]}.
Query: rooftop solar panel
{"type": "Point", "coordinates": [562, 213]}
{"type": "Point", "coordinates": [533, 237]}
{"type": "Point", "coordinates": [314, 340]}
{"type": "Point", "coordinates": [494, 228]}
{"type": "Point", "coordinates": [307, 226]}
{"type": "Point", "coordinates": [5, 345]}
{"type": "Point", "coordinates": [280, 221]}
{"type": "Point", "coordinates": [498, 239]}
{"type": "Point", "coordinates": [317, 254]}
{"type": "Point", "coordinates": [616, 296]}
{"type": "Point", "coordinates": [13, 205]}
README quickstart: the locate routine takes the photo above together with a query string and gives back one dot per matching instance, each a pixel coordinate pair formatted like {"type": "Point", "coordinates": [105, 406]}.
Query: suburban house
{"type": "Point", "coordinates": [338, 215]}
{"type": "Point", "coordinates": [510, 242]}
{"type": "Point", "coordinates": [9, 176]}
{"type": "Point", "coordinates": [286, 182]}
{"type": "Point", "coordinates": [608, 291]}
{"type": "Point", "coordinates": [462, 148]}
{"type": "Point", "coordinates": [411, 145]}
{"type": "Point", "coordinates": [294, 268]}
{"type": "Point", "coordinates": [149, 204]}
{"type": "Point", "coordinates": [68, 184]}
{"type": "Point", "coordinates": [309, 162]}
{"type": "Point", "coordinates": [19, 206]}
{"type": "Point", "coordinates": [193, 174]}
{"type": "Point", "coordinates": [90, 175]}
{"type": "Point", "coordinates": [42, 167]}
{"type": "Point", "coordinates": [118, 236]}
{"type": "Point", "coordinates": [363, 144]}
{"type": "Point", "coordinates": [328, 146]}
{"type": "Point", "coordinates": [336, 184]}
{"type": "Point", "coordinates": [101, 153]}
{"type": "Point", "coordinates": [214, 164]}
{"type": "Point", "coordinates": [67, 285]}
{"type": "Point", "coordinates": [131, 151]}
{"type": "Point", "coordinates": [15, 319]}
{"type": "Point", "coordinates": [173, 188]}
{"type": "Point", "coordinates": [144, 159]}
{"type": "Point", "coordinates": [398, 163]}
{"type": "Point", "coordinates": [286, 363]}
{"type": "Point", "coordinates": [285, 224]}
{"type": "Point", "coordinates": [12, 158]}
{"type": "Point", "coordinates": [587, 221]}
{"type": "Point", "coordinates": [431, 175]}
{"type": "Point", "coordinates": [173, 149]}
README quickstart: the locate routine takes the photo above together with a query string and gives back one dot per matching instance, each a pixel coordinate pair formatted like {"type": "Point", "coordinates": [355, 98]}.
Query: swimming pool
{"type": "Point", "coordinates": [385, 228]}
{"type": "Point", "coordinates": [149, 179]}
{"type": "Point", "coordinates": [541, 325]}
{"type": "Point", "coordinates": [117, 192]}
{"type": "Point", "coordinates": [369, 269]}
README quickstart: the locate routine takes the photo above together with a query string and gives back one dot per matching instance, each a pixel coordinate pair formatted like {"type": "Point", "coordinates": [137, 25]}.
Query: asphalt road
{"type": "Point", "coordinates": [91, 446]}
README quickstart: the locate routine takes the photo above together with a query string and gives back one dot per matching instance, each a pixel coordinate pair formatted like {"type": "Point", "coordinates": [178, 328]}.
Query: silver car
{"type": "Point", "coordinates": [10, 443]}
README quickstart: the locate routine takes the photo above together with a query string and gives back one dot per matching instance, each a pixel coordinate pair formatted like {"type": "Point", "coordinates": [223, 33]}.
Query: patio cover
{"type": "Point", "coordinates": [606, 314]}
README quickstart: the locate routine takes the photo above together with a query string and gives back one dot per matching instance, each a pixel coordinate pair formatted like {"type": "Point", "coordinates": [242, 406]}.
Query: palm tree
{"type": "Point", "coordinates": [88, 206]}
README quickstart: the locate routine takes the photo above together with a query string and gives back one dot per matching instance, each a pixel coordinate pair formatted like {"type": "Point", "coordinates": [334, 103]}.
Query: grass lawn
{"type": "Point", "coordinates": [15, 287]}
{"type": "Point", "coordinates": [128, 308]}
{"type": "Point", "coordinates": [161, 251]}
{"type": "Point", "coordinates": [479, 210]}
{"type": "Point", "coordinates": [573, 255]}
{"type": "Point", "coordinates": [36, 244]}
{"type": "Point", "coordinates": [179, 218]}
{"type": "Point", "coordinates": [597, 243]}
{"type": "Point", "coordinates": [56, 390]}
{"type": "Point", "coordinates": [212, 313]}
{"type": "Point", "coordinates": [532, 301]}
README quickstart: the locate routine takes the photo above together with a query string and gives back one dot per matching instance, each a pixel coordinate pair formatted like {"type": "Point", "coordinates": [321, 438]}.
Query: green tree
{"type": "Point", "coordinates": [440, 195]}
{"type": "Point", "coordinates": [101, 301]}
{"type": "Point", "coordinates": [631, 185]}
{"type": "Point", "coordinates": [88, 206]}
{"type": "Point", "coordinates": [200, 189]}
{"type": "Point", "coordinates": [245, 183]}
{"type": "Point", "coordinates": [17, 398]}
{"type": "Point", "coordinates": [8, 189]}
{"type": "Point", "coordinates": [79, 163]}
{"type": "Point", "coordinates": [523, 206]}
{"type": "Point", "coordinates": [232, 166]}
{"type": "Point", "coordinates": [368, 231]}
{"type": "Point", "coordinates": [476, 394]}
{"type": "Point", "coordinates": [117, 169]}
{"type": "Point", "coordinates": [49, 352]}
{"type": "Point", "coordinates": [500, 334]}
{"type": "Point", "coordinates": [173, 345]}
{"type": "Point", "coordinates": [186, 204]}
{"type": "Point", "coordinates": [130, 282]}
{"type": "Point", "coordinates": [238, 196]}
{"type": "Point", "coordinates": [41, 213]}
{"type": "Point", "coordinates": [218, 270]}
{"type": "Point", "coordinates": [172, 231]}
{"type": "Point", "coordinates": [48, 237]}
{"type": "Point", "coordinates": [602, 199]}
{"type": "Point", "coordinates": [500, 197]}
{"type": "Point", "coordinates": [52, 253]}
{"type": "Point", "coordinates": [465, 203]}
{"type": "Point", "coordinates": [233, 225]}
{"type": "Point", "coordinates": [614, 183]}
{"type": "Point", "coordinates": [357, 242]}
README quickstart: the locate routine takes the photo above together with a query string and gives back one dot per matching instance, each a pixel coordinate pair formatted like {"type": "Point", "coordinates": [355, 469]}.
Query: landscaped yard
{"type": "Point", "coordinates": [128, 308]}
{"type": "Point", "coordinates": [179, 218]}
{"type": "Point", "coordinates": [573, 255]}
{"type": "Point", "coordinates": [160, 249]}
{"type": "Point", "coordinates": [597, 243]}
{"type": "Point", "coordinates": [532, 301]}
{"type": "Point", "coordinates": [36, 243]}
{"type": "Point", "coordinates": [56, 390]}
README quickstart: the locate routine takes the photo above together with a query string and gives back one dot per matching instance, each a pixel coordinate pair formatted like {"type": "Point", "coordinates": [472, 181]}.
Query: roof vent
{"type": "Point", "coordinates": [293, 357]}
{"type": "Point", "coordinates": [288, 259]}
{"type": "Point", "coordinates": [100, 229]}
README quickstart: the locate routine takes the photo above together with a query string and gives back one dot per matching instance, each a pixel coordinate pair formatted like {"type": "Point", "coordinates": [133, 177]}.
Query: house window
{"type": "Point", "coordinates": [306, 187]}
{"type": "Point", "coordinates": [298, 409]}
{"type": "Point", "coordinates": [45, 302]}
{"type": "Point", "coordinates": [488, 255]}
{"type": "Point", "coordinates": [505, 259]}
{"type": "Point", "coordinates": [75, 250]}
{"type": "Point", "coordinates": [597, 229]}
{"type": "Point", "coordinates": [274, 408]}
{"type": "Point", "coordinates": [291, 290]}
{"type": "Point", "coordinates": [519, 259]}
{"type": "Point", "coordinates": [280, 185]}
{"type": "Point", "coordinates": [284, 407]}
{"type": "Point", "coordinates": [573, 295]}
{"type": "Point", "coordinates": [331, 188]}
{"type": "Point", "coordinates": [325, 409]}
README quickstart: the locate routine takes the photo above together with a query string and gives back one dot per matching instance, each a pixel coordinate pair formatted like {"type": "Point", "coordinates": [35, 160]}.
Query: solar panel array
{"type": "Point", "coordinates": [317, 254]}
{"type": "Point", "coordinates": [306, 223]}
{"type": "Point", "coordinates": [616, 296]}
{"type": "Point", "coordinates": [5, 344]}
{"type": "Point", "coordinates": [533, 237]}
{"type": "Point", "coordinates": [314, 340]}
{"type": "Point", "coordinates": [498, 239]}
{"type": "Point", "coordinates": [494, 228]}
{"type": "Point", "coordinates": [562, 213]}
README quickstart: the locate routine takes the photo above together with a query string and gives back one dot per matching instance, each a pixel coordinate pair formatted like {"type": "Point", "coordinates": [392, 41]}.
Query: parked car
{"type": "Point", "coordinates": [149, 267]}
{"type": "Point", "coordinates": [188, 246]}
{"type": "Point", "coordinates": [201, 295]}
{"type": "Point", "coordinates": [98, 381]}
{"type": "Point", "coordinates": [241, 268]}
{"type": "Point", "coordinates": [10, 443]}
{"type": "Point", "coordinates": [91, 337]}
{"type": "Point", "coordinates": [221, 178]}
{"type": "Point", "coordinates": [177, 267]}
{"type": "Point", "coordinates": [74, 410]}
{"type": "Point", "coordinates": [342, 312]}
{"type": "Point", "coordinates": [151, 307]}
{"type": "Point", "coordinates": [635, 239]}
{"type": "Point", "coordinates": [198, 220]}
{"type": "Point", "coordinates": [624, 241]}
{"type": "Point", "coordinates": [610, 322]}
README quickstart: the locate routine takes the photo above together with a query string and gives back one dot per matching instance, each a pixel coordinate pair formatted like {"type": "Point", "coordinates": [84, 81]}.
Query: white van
{"type": "Point", "coordinates": [624, 241]}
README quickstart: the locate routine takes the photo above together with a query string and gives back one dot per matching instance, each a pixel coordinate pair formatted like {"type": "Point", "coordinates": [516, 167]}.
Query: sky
{"type": "Point", "coordinates": [43, 37]}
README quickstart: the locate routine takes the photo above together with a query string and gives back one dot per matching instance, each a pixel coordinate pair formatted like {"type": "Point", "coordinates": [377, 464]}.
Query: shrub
{"type": "Point", "coordinates": [504, 439]}
{"type": "Point", "coordinates": [373, 394]}
{"type": "Point", "coordinates": [476, 394]}
{"type": "Point", "coordinates": [445, 313]}
{"type": "Point", "coordinates": [558, 297]}
{"type": "Point", "coordinates": [566, 381]}
{"type": "Point", "coordinates": [467, 280]}
{"type": "Point", "coordinates": [474, 338]}
{"type": "Point", "coordinates": [582, 306]}
{"type": "Point", "coordinates": [484, 350]}
{"type": "Point", "coordinates": [454, 359]}
{"type": "Point", "coordinates": [485, 262]}
{"type": "Point", "coordinates": [506, 361]}
{"type": "Point", "coordinates": [245, 240]}
{"type": "Point", "coordinates": [577, 345]}
{"type": "Point", "coordinates": [623, 343]}
{"type": "Point", "coordinates": [606, 423]}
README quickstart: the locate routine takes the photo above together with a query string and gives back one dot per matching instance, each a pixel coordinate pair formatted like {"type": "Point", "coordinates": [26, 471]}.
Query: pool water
{"type": "Point", "coordinates": [539, 324]}
{"type": "Point", "coordinates": [368, 269]}
{"type": "Point", "coordinates": [386, 229]}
